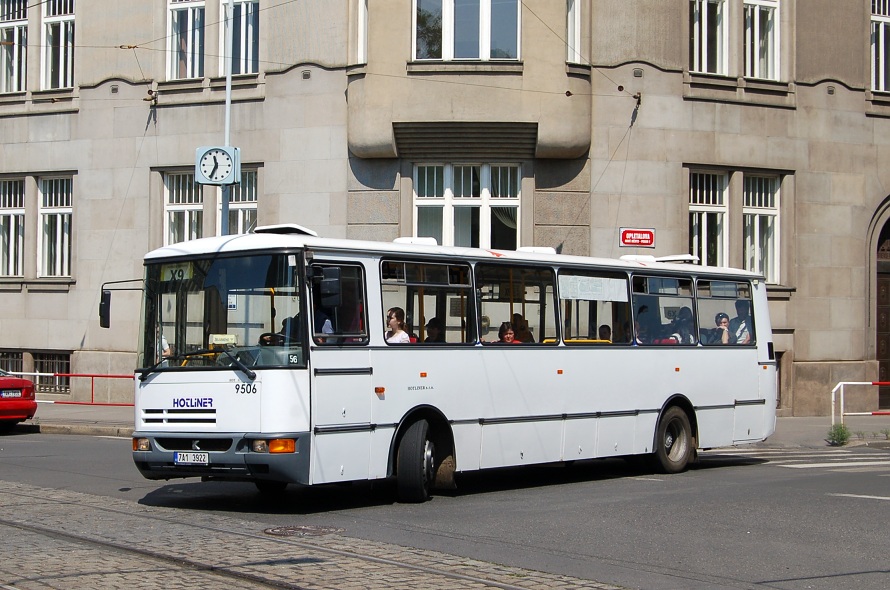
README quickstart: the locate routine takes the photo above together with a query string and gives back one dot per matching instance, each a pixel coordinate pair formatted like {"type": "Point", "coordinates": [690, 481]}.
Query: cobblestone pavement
{"type": "Point", "coordinates": [68, 540]}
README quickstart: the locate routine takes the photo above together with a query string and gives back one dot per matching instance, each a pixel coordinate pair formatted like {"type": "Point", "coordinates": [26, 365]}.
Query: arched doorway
{"type": "Point", "coordinates": [882, 315]}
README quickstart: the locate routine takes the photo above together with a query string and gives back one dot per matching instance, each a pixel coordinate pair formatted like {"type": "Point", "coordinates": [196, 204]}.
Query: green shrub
{"type": "Point", "coordinates": [838, 435]}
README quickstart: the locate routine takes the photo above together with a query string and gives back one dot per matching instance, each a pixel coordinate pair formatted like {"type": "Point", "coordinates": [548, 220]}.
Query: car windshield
{"type": "Point", "coordinates": [221, 311]}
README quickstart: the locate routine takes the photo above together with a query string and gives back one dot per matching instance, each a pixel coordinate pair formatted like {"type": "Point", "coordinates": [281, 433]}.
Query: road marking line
{"type": "Point", "coordinates": [850, 464]}
{"type": "Point", "coordinates": [861, 496]}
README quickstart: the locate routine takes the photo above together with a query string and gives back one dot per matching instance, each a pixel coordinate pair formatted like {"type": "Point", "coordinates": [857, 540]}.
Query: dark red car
{"type": "Point", "coordinates": [17, 400]}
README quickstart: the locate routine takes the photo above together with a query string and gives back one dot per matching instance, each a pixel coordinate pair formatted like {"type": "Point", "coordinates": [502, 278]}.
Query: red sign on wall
{"type": "Point", "coordinates": [637, 238]}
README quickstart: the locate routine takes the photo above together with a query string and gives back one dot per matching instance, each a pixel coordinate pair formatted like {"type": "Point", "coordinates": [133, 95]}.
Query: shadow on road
{"type": "Point", "coordinates": [192, 494]}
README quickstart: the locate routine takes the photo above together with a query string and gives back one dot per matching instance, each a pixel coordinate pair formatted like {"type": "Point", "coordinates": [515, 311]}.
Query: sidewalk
{"type": "Point", "coordinates": [60, 418]}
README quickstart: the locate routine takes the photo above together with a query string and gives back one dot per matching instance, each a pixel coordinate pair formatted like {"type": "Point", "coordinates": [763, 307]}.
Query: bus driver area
{"type": "Point", "coordinates": [329, 399]}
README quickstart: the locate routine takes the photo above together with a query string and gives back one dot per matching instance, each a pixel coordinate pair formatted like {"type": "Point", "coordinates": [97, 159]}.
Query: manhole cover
{"type": "Point", "coordinates": [303, 531]}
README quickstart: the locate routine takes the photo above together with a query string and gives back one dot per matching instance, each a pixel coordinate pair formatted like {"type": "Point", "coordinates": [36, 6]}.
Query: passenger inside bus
{"type": "Point", "coordinates": [434, 331]}
{"type": "Point", "coordinates": [395, 321]}
{"type": "Point", "coordinates": [739, 325]}
{"type": "Point", "coordinates": [605, 333]}
{"type": "Point", "coordinates": [521, 329]}
{"type": "Point", "coordinates": [506, 334]}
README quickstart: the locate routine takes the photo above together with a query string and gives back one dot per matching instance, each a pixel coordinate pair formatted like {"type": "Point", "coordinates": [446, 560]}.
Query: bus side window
{"type": "Point", "coordinates": [435, 297]}
{"type": "Point", "coordinates": [595, 306]}
{"type": "Point", "coordinates": [339, 319]}
{"type": "Point", "coordinates": [522, 296]}
{"type": "Point", "coordinates": [725, 311]}
{"type": "Point", "coordinates": [664, 310]}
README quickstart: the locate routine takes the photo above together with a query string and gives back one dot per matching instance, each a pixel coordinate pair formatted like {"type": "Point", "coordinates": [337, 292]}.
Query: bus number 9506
{"type": "Point", "coordinates": [245, 388]}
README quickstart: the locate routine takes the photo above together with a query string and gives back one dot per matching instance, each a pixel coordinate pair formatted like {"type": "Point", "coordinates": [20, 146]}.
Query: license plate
{"type": "Point", "coordinates": [11, 393]}
{"type": "Point", "coordinates": [189, 458]}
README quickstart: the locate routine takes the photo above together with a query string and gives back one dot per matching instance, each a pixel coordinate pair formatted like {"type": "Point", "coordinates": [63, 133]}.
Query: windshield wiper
{"type": "Point", "coordinates": [144, 373]}
{"type": "Point", "coordinates": [235, 361]}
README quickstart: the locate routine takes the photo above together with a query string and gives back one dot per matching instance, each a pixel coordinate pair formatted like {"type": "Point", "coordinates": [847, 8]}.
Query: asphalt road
{"type": "Point", "coordinates": [755, 518]}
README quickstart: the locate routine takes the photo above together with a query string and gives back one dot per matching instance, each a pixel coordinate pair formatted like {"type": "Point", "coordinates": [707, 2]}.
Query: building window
{"type": "Point", "coordinates": [186, 34]}
{"type": "Point", "coordinates": [707, 217]}
{"type": "Point", "coordinates": [573, 31]}
{"type": "Point", "coordinates": [58, 44]}
{"type": "Point", "coordinates": [12, 362]}
{"type": "Point", "coordinates": [475, 205]}
{"type": "Point", "coordinates": [761, 226]}
{"type": "Point", "coordinates": [183, 208]}
{"type": "Point", "coordinates": [13, 45]}
{"type": "Point", "coordinates": [55, 225]}
{"type": "Point", "coordinates": [880, 37]}
{"type": "Point", "coordinates": [12, 227]}
{"type": "Point", "coordinates": [361, 44]}
{"type": "Point", "coordinates": [466, 29]}
{"type": "Point", "coordinates": [54, 370]}
{"type": "Point", "coordinates": [245, 37]}
{"type": "Point", "coordinates": [762, 39]}
{"type": "Point", "coordinates": [708, 36]}
{"type": "Point", "coordinates": [242, 204]}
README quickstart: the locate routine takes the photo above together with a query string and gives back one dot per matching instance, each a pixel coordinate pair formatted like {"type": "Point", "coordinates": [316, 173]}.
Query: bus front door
{"type": "Point", "coordinates": [341, 413]}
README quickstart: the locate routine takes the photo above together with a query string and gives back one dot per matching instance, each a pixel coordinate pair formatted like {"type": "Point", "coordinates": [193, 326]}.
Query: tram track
{"type": "Point", "coordinates": [231, 556]}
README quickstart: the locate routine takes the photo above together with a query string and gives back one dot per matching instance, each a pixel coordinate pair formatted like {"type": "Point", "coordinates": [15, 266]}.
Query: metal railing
{"type": "Point", "coordinates": [91, 376]}
{"type": "Point", "coordinates": [839, 388]}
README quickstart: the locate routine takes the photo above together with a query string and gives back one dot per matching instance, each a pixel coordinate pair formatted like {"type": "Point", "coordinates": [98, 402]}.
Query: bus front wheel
{"type": "Point", "coordinates": [674, 443]}
{"type": "Point", "coordinates": [416, 462]}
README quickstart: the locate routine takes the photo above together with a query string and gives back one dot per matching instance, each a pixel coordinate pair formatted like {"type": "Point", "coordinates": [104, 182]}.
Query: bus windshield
{"type": "Point", "coordinates": [218, 311]}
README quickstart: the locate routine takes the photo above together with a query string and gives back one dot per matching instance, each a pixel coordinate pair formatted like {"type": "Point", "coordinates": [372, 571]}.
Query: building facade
{"type": "Point", "coordinates": [750, 133]}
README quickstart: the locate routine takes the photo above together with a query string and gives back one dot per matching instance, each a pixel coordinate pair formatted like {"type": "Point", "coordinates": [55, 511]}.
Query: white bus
{"type": "Point", "coordinates": [264, 359]}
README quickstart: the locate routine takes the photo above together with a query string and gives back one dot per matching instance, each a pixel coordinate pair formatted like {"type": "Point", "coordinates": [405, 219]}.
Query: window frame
{"type": "Point", "coordinates": [880, 45]}
{"type": "Point", "coordinates": [699, 45]}
{"type": "Point", "coordinates": [14, 57]}
{"type": "Point", "coordinates": [12, 227]}
{"type": "Point", "coordinates": [448, 30]}
{"type": "Point", "coordinates": [755, 212]}
{"type": "Point", "coordinates": [573, 32]}
{"type": "Point", "coordinates": [699, 240]}
{"type": "Point", "coordinates": [755, 41]}
{"type": "Point", "coordinates": [55, 214]}
{"type": "Point", "coordinates": [195, 35]}
{"type": "Point", "coordinates": [245, 37]}
{"type": "Point", "coordinates": [243, 204]}
{"type": "Point", "coordinates": [190, 208]}
{"type": "Point", "coordinates": [58, 58]}
{"type": "Point", "coordinates": [450, 202]}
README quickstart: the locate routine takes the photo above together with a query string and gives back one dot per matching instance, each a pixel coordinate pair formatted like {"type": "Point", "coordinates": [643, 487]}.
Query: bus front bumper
{"type": "Point", "coordinates": [225, 456]}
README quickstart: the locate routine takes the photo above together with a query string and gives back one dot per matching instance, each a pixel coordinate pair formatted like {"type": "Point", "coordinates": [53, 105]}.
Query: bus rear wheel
{"type": "Point", "coordinates": [416, 463]}
{"type": "Point", "coordinates": [674, 443]}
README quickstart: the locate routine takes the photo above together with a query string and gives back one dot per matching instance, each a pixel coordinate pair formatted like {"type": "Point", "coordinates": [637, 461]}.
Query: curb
{"type": "Point", "coordinates": [85, 429]}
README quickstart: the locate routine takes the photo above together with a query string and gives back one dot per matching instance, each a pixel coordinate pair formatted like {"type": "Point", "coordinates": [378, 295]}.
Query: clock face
{"type": "Point", "coordinates": [216, 165]}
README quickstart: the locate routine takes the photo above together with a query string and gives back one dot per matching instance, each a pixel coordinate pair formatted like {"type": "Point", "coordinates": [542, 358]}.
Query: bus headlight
{"type": "Point", "coordinates": [275, 445]}
{"type": "Point", "coordinates": [282, 445]}
{"type": "Point", "coordinates": [141, 444]}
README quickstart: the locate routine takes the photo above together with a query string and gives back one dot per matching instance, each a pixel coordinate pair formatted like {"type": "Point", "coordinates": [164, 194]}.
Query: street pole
{"type": "Point", "coordinates": [227, 58]}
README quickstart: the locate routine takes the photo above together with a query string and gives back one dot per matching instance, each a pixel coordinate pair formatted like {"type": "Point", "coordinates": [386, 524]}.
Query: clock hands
{"type": "Point", "coordinates": [215, 166]}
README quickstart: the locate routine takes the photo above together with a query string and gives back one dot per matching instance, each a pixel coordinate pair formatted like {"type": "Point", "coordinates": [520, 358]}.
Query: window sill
{"type": "Point", "coordinates": [576, 69]}
{"type": "Point", "coordinates": [38, 102]}
{"type": "Point", "coordinates": [877, 103]}
{"type": "Point", "coordinates": [711, 87]}
{"type": "Point", "coordinates": [208, 90]}
{"type": "Point", "coordinates": [49, 285]}
{"type": "Point", "coordinates": [463, 67]}
{"type": "Point", "coordinates": [779, 292]}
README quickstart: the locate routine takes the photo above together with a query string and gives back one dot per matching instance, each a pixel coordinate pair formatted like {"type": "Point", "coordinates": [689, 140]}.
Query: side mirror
{"type": "Point", "coordinates": [105, 309]}
{"type": "Point", "coordinates": [330, 287]}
